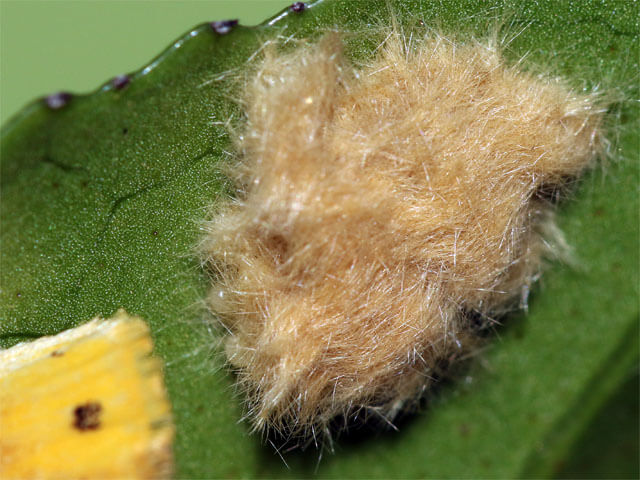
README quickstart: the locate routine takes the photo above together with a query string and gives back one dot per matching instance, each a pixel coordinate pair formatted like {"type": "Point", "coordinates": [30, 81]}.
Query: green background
{"type": "Point", "coordinates": [49, 46]}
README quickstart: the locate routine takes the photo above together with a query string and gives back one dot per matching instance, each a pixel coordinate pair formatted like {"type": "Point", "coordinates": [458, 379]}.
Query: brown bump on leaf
{"type": "Point", "coordinates": [121, 81]}
{"type": "Point", "coordinates": [298, 7]}
{"type": "Point", "coordinates": [223, 27]}
{"type": "Point", "coordinates": [58, 100]}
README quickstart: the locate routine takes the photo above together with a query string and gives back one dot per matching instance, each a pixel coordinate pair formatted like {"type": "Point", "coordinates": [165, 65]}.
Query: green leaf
{"type": "Point", "coordinates": [101, 204]}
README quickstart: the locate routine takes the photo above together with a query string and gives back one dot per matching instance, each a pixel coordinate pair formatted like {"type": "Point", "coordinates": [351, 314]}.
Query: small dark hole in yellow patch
{"type": "Point", "coordinates": [87, 416]}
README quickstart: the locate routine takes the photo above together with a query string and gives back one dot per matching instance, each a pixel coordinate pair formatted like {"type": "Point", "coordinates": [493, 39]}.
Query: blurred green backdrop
{"type": "Point", "coordinates": [76, 45]}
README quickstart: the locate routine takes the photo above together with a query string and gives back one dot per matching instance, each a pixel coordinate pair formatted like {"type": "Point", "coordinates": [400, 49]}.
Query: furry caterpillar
{"type": "Point", "coordinates": [380, 209]}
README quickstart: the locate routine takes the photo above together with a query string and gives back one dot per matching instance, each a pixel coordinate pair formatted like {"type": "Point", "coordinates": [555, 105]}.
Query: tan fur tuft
{"type": "Point", "coordinates": [379, 207]}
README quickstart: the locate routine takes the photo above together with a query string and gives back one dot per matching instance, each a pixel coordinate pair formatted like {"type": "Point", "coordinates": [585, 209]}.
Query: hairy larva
{"type": "Point", "coordinates": [383, 210]}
